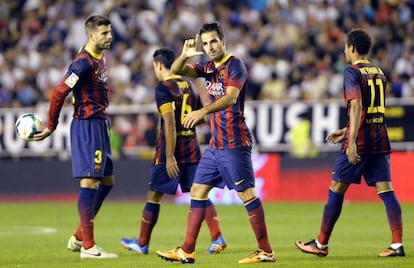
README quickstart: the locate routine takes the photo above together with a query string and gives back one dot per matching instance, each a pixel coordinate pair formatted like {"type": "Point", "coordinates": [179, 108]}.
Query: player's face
{"type": "Point", "coordinates": [213, 46]}
{"type": "Point", "coordinates": [102, 37]}
{"type": "Point", "coordinates": [347, 52]}
{"type": "Point", "coordinates": [157, 69]}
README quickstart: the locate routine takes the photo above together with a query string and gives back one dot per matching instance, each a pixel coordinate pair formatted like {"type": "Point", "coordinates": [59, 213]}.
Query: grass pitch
{"type": "Point", "coordinates": [35, 235]}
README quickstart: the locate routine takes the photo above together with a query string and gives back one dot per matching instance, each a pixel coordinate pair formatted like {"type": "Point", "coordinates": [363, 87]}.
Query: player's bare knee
{"type": "Point", "coordinates": [338, 187]}
{"type": "Point", "coordinates": [108, 180]}
{"type": "Point", "coordinates": [247, 194]}
{"type": "Point", "coordinates": [200, 191]}
{"type": "Point", "coordinates": [383, 186]}
{"type": "Point", "coordinates": [154, 197]}
{"type": "Point", "coordinates": [89, 183]}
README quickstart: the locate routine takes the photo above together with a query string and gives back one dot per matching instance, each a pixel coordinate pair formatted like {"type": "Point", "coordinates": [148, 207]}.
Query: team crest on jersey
{"type": "Point", "coordinates": [103, 76]}
{"type": "Point", "coordinates": [222, 74]}
{"type": "Point", "coordinates": [72, 80]}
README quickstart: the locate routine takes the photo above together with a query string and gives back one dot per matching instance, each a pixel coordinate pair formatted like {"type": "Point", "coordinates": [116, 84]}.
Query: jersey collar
{"type": "Point", "coordinates": [93, 54]}
{"type": "Point", "coordinates": [223, 60]}
{"type": "Point", "coordinates": [361, 61]}
{"type": "Point", "coordinates": [172, 77]}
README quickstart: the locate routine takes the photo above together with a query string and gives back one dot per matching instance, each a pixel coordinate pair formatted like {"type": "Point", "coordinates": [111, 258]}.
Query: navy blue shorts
{"type": "Point", "coordinates": [91, 149]}
{"type": "Point", "coordinates": [230, 167]}
{"type": "Point", "coordinates": [160, 182]}
{"type": "Point", "coordinates": [374, 168]}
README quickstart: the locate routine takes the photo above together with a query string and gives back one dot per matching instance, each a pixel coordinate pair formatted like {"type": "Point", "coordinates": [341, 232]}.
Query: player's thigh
{"type": "Point", "coordinates": [159, 181]}
{"type": "Point", "coordinates": [90, 149]}
{"type": "Point", "coordinates": [345, 172]}
{"type": "Point", "coordinates": [187, 174]}
{"type": "Point", "coordinates": [108, 180]}
{"type": "Point", "coordinates": [236, 168]}
{"type": "Point", "coordinates": [207, 170]}
{"type": "Point", "coordinates": [377, 169]}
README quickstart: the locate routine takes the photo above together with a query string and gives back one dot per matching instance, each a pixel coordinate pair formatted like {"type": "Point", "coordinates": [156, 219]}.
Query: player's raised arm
{"type": "Point", "coordinates": [180, 66]}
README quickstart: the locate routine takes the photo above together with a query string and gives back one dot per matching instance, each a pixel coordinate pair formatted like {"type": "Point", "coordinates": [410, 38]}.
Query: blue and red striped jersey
{"type": "Point", "coordinates": [228, 127]}
{"type": "Point", "coordinates": [367, 82]}
{"type": "Point", "coordinates": [181, 93]}
{"type": "Point", "coordinates": [87, 78]}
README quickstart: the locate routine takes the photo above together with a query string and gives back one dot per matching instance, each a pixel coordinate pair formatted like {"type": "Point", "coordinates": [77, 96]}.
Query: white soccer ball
{"type": "Point", "coordinates": [27, 125]}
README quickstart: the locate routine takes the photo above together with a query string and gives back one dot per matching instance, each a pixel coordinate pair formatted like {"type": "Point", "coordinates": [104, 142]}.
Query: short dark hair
{"type": "Point", "coordinates": [94, 21]}
{"type": "Point", "coordinates": [165, 56]}
{"type": "Point", "coordinates": [211, 27]}
{"type": "Point", "coordinates": [361, 40]}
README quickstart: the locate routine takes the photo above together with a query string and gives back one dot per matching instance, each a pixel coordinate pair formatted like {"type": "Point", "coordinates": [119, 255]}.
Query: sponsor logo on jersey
{"type": "Point", "coordinates": [215, 89]}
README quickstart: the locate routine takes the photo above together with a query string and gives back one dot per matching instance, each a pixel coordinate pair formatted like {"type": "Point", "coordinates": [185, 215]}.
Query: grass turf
{"type": "Point", "coordinates": [35, 235]}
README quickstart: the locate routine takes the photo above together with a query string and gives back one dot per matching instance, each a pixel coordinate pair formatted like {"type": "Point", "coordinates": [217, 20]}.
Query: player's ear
{"type": "Point", "coordinates": [91, 36]}
{"type": "Point", "coordinates": [156, 64]}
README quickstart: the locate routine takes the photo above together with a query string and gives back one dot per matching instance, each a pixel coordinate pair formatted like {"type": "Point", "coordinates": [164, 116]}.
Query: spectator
{"type": "Point", "coordinates": [296, 34]}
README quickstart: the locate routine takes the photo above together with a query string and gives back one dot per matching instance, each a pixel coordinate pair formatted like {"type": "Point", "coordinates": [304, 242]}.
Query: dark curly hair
{"type": "Point", "coordinates": [361, 41]}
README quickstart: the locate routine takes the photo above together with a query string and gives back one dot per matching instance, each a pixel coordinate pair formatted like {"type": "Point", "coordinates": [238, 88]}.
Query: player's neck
{"type": "Point", "coordinates": [96, 53]}
{"type": "Point", "coordinates": [359, 59]}
{"type": "Point", "coordinates": [223, 59]}
{"type": "Point", "coordinates": [169, 75]}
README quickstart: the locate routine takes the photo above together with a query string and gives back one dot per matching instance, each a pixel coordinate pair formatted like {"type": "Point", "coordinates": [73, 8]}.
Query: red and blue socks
{"type": "Point", "coordinates": [331, 214]}
{"type": "Point", "coordinates": [149, 219]}
{"type": "Point", "coordinates": [257, 222]}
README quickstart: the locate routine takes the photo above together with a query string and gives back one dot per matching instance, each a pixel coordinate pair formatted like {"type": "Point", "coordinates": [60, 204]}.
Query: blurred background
{"type": "Point", "coordinates": [294, 54]}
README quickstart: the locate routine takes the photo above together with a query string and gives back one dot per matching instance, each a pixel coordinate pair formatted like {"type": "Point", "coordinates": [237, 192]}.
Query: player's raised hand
{"type": "Point", "coordinates": [190, 48]}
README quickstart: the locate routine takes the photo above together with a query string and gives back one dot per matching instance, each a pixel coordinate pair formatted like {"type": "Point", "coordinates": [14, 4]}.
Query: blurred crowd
{"type": "Point", "coordinates": [293, 48]}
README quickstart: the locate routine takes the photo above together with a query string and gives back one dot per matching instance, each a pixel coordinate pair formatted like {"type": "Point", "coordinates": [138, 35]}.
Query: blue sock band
{"type": "Point", "coordinates": [209, 203]}
{"type": "Point", "coordinates": [253, 204]}
{"type": "Point", "coordinates": [198, 203]}
{"type": "Point", "coordinates": [153, 207]}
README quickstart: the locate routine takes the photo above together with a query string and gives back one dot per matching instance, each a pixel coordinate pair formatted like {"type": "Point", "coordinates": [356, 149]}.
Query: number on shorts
{"type": "Point", "coordinates": [98, 156]}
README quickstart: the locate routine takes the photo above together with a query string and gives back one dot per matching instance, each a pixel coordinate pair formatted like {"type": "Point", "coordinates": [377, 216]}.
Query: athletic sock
{"type": "Point", "coordinates": [257, 222]}
{"type": "Point", "coordinates": [86, 214]}
{"type": "Point", "coordinates": [396, 245]}
{"type": "Point", "coordinates": [149, 219]}
{"type": "Point", "coordinates": [331, 214]}
{"type": "Point", "coordinates": [393, 210]}
{"type": "Point", "coordinates": [196, 215]}
{"type": "Point", "coordinates": [212, 220]}
{"type": "Point", "coordinates": [100, 195]}
{"type": "Point", "coordinates": [319, 245]}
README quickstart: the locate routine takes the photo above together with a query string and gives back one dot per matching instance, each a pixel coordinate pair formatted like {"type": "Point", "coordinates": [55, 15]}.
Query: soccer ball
{"type": "Point", "coordinates": [27, 125]}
